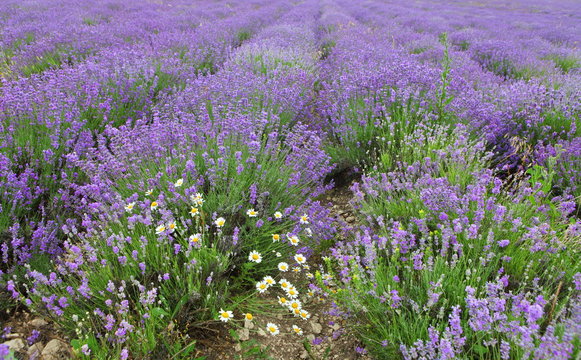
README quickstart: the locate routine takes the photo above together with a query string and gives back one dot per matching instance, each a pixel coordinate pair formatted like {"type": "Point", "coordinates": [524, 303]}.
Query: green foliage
{"type": "Point", "coordinates": [90, 22]}
{"type": "Point", "coordinates": [368, 134]}
{"type": "Point", "coordinates": [252, 349]}
{"type": "Point", "coordinates": [202, 277]}
{"type": "Point", "coordinates": [443, 98]}
{"type": "Point", "coordinates": [131, 102]}
{"type": "Point", "coordinates": [564, 63]}
{"type": "Point", "coordinates": [49, 60]}
{"type": "Point", "coordinates": [464, 45]}
{"type": "Point", "coordinates": [419, 50]}
{"type": "Point", "coordinates": [204, 65]}
{"type": "Point", "coordinates": [242, 36]}
{"type": "Point", "coordinates": [555, 122]}
{"type": "Point", "coordinates": [327, 48]}
{"type": "Point", "coordinates": [269, 64]}
{"type": "Point", "coordinates": [370, 137]}
{"type": "Point", "coordinates": [370, 289]}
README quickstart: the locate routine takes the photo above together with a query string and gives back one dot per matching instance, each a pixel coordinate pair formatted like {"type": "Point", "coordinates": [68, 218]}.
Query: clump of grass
{"type": "Point", "coordinates": [327, 48]}
{"type": "Point", "coordinates": [90, 21]}
{"type": "Point", "coordinates": [50, 60]}
{"type": "Point", "coordinates": [242, 36]}
{"type": "Point", "coordinates": [564, 63]}
{"type": "Point", "coordinates": [357, 143]}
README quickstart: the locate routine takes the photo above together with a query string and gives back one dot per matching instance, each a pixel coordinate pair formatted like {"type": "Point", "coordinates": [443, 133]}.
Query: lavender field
{"type": "Point", "coordinates": [272, 179]}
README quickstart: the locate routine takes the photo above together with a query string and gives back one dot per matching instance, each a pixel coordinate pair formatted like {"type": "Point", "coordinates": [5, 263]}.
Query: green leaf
{"type": "Point", "coordinates": [481, 350]}
{"type": "Point", "coordinates": [180, 304]}
{"type": "Point", "coordinates": [157, 312]}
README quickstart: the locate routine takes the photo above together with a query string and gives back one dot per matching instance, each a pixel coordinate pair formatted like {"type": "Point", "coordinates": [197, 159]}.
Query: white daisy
{"type": "Point", "coordinates": [194, 211]}
{"type": "Point", "coordinates": [154, 205]}
{"type": "Point", "coordinates": [251, 213]}
{"type": "Point", "coordinates": [300, 258]}
{"type": "Point", "coordinates": [179, 183]}
{"type": "Point", "coordinates": [220, 222]}
{"type": "Point", "coordinates": [278, 215]}
{"type": "Point", "coordinates": [295, 304]}
{"type": "Point", "coordinates": [304, 219]}
{"type": "Point", "coordinates": [283, 266]}
{"type": "Point", "coordinates": [197, 199]}
{"type": "Point", "coordinates": [171, 226]}
{"type": "Point", "coordinates": [129, 207]}
{"type": "Point", "coordinates": [160, 229]}
{"type": "Point", "coordinates": [272, 329]}
{"type": "Point", "coordinates": [255, 256]}
{"type": "Point", "coordinates": [196, 239]}
{"type": "Point", "coordinates": [297, 330]}
{"type": "Point", "coordinates": [225, 315]}
{"type": "Point", "coordinates": [261, 286]}
{"type": "Point", "coordinates": [292, 292]}
{"type": "Point", "coordinates": [294, 240]}
{"type": "Point", "coordinates": [284, 283]}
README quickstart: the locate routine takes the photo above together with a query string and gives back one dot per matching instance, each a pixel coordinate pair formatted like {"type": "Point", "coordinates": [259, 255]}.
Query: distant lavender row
{"type": "Point", "coordinates": [401, 60]}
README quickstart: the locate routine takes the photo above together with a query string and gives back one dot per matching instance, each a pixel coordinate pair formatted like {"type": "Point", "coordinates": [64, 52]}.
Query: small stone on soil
{"type": "Point", "coordinates": [35, 350]}
{"type": "Point", "coordinates": [16, 345]}
{"type": "Point", "coordinates": [243, 334]}
{"type": "Point", "coordinates": [56, 350]}
{"type": "Point", "coordinates": [38, 322]}
{"type": "Point", "coordinates": [317, 328]}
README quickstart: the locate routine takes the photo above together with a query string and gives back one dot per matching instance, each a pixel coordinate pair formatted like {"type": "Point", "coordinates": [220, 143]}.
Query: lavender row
{"type": "Point", "coordinates": [65, 109]}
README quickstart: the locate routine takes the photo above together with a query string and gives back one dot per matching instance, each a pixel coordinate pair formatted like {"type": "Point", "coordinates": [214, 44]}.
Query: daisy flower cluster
{"type": "Point", "coordinates": [286, 293]}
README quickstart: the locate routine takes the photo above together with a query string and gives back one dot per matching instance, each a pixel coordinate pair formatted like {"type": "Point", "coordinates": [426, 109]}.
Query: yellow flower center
{"type": "Point", "coordinates": [225, 315]}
